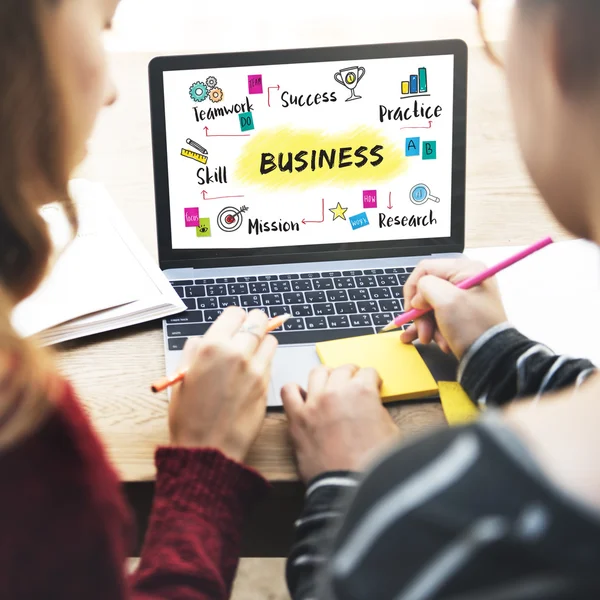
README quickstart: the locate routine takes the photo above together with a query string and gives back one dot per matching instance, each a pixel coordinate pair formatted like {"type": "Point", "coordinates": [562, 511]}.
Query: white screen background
{"type": "Point", "coordinates": [381, 85]}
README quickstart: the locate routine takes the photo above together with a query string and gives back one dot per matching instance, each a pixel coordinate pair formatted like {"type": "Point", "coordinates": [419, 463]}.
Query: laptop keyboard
{"type": "Point", "coordinates": [324, 305]}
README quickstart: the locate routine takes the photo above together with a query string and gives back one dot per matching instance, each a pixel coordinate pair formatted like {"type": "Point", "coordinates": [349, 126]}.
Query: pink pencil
{"type": "Point", "coordinates": [413, 314]}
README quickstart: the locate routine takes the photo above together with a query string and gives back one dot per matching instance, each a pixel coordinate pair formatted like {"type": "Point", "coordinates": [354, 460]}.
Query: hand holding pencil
{"type": "Point", "coordinates": [222, 401]}
{"type": "Point", "coordinates": [459, 316]}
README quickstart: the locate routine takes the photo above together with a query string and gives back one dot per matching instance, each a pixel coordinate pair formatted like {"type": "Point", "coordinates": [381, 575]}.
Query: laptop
{"type": "Point", "coordinates": [308, 181]}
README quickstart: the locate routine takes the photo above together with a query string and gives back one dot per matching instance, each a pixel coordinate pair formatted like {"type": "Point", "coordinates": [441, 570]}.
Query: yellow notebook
{"type": "Point", "coordinates": [404, 373]}
{"type": "Point", "coordinates": [458, 407]}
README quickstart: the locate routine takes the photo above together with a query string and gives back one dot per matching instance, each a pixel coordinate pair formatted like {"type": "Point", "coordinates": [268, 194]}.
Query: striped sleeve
{"type": "Point", "coordinates": [503, 365]}
{"type": "Point", "coordinates": [464, 514]}
{"type": "Point", "coordinates": [325, 500]}
{"type": "Point", "coordinates": [426, 500]}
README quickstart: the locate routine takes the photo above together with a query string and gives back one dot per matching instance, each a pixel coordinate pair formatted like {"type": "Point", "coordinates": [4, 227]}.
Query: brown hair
{"type": "Point", "coordinates": [32, 173]}
{"type": "Point", "coordinates": [579, 37]}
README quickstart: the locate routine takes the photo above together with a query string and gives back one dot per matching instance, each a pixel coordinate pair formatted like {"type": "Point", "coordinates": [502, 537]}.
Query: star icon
{"type": "Point", "coordinates": [338, 211]}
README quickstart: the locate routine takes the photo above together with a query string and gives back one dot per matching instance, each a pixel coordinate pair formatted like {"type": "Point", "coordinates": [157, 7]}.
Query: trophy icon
{"type": "Point", "coordinates": [349, 78]}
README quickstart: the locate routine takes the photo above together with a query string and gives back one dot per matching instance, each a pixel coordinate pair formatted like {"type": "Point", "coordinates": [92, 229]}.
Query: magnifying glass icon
{"type": "Point", "coordinates": [421, 194]}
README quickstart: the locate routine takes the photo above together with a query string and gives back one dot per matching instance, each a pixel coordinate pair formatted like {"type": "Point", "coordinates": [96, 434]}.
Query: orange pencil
{"type": "Point", "coordinates": [165, 382]}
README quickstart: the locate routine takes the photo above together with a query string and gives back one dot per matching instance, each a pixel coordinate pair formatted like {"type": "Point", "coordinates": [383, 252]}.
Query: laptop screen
{"type": "Point", "coordinates": [310, 153]}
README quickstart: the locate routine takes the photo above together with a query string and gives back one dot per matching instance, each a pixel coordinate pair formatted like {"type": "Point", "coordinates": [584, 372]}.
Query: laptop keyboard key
{"type": "Point", "coordinates": [338, 321]}
{"type": "Point", "coordinates": [363, 282]}
{"type": "Point", "coordinates": [396, 270]}
{"type": "Point", "coordinates": [402, 279]}
{"type": "Point", "coordinates": [324, 309]}
{"type": "Point", "coordinates": [397, 292]}
{"type": "Point", "coordinates": [268, 278]}
{"type": "Point", "coordinates": [179, 291]}
{"type": "Point", "coordinates": [277, 311]}
{"type": "Point", "coordinates": [323, 284]}
{"type": "Point", "coordinates": [331, 274]}
{"type": "Point", "coordinates": [367, 307]}
{"type": "Point", "coordinates": [177, 343]}
{"type": "Point", "coordinates": [190, 316]}
{"type": "Point", "coordinates": [294, 298]}
{"type": "Point", "coordinates": [360, 321]}
{"type": "Point", "coordinates": [302, 285]}
{"type": "Point", "coordinates": [204, 281]}
{"type": "Point", "coordinates": [280, 286]}
{"type": "Point", "coordinates": [212, 315]}
{"type": "Point", "coordinates": [302, 310]}
{"type": "Point", "coordinates": [236, 289]}
{"type": "Point", "coordinates": [226, 280]}
{"type": "Point", "coordinates": [194, 291]}
{"type": "Point", "coordinates": [346, 308]}
{"type": "Point", "coordinates": [261, 287]}
{"type": "Point", "coordinates": [294, 325]}
{"type": "Point", "coordinates": [190, 303]}
{"type": "Point", "coordinates": [380, 294]}
{"type": "Point", "coordinates": [289, 276]}
{"type": "Point", "coordinates": [354, 273]}
{"type": "Point", "coordinates": [359, 294]}
{"type": "Point", "coordinates": [314, 336]}
{"type": "Point", "coordinates": [373, 271]}
{"type": "Point", "coordinates": [393, 305]}
{"type": "Point", "coordinates": [216, 290]}
{"type": "Point", "coordinates": [387, 280]}
{"type": "Point", "coordinates": [246, 279]}
{"type": "Point", "coordinates": [187, 330]}
{"type": "Point", "coordinates": [337, 296]}
{"type": "Point", "coordinates": [272, 299]}
{"type": "Point", "coordinates": [316, 323]}
{"type": "Point", "coordinates": [309, 275]}
{"type": "Point", "coordinates": [314, 297]}
{"type": "Point", "coordinates": [382, 319]}
{"type": "Point", "coordinates": [182, 282]}
{"type": "Point", "coordinates": [250, 301]}
{"type": "Point", "coordinates": [344, 283]}
{"type": "Point", "coordinates": [208, 302]}
{"type": "Point", "coordinates": [225, 301]}
{"type": "Point", "coordinates": [410, 269]}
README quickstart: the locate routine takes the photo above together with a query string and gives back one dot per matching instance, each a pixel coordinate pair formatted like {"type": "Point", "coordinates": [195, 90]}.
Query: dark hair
{"type": "Point", "coordinates": [33, 171]}
{"type": "Point", "coordinates": [31, 146]}
{"type": "Point", "coordinates": [578, 23]}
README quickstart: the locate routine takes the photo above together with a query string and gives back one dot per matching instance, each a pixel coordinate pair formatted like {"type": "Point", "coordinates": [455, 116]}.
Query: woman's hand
{"type": "Point", "coordinates": [339, 423]}
{"type": "Point", "coordinates": [460, 317]}
{"type": "Point", "coordinates": [222, 401]}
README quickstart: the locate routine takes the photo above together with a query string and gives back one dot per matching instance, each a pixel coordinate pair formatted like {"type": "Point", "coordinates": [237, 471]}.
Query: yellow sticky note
{"type": "Point", "coordinates": [404, 373]}
{"type": "Point", "coordinates": [458, 407]}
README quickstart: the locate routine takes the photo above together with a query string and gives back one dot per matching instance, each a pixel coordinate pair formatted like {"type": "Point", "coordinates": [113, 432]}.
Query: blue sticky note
{"type": "Point", "coordinates": [429, 150]}
{"type": "Point", "coordinates": [246, 121]}
{"type": "Point", "coordinates": [413, 146]}
{"type": "Point", "coordinates": [360, 220]}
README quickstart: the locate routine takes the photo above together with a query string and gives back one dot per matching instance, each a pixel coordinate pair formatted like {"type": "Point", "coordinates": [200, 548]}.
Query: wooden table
{"type": "Point", "coordinates": [112, 371]}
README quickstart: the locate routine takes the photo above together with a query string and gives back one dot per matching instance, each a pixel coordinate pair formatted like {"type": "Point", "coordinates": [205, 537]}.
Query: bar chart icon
{"type": "Point", "coordinates": [416, 85]}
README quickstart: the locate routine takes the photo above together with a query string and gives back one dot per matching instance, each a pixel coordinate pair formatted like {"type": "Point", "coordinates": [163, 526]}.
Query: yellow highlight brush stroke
{"type": "Point", "coordinates": [286, 140]}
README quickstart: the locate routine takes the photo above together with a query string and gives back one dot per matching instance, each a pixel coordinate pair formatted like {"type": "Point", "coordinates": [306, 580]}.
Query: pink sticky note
{"type": "Point", "coordinates": [370, 199]}
{"type": "Point", "coordinates": [192, 216]}
{"type": "Point", "coordinates": [255, 84]}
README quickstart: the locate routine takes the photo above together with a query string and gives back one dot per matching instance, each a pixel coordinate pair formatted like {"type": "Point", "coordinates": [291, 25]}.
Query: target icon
{"type": "Point", "coordinates": [231, 219]}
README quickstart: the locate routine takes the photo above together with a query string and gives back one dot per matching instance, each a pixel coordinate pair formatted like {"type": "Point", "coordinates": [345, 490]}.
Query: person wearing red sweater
{"type": "Point", "coordinates": [65, 529]}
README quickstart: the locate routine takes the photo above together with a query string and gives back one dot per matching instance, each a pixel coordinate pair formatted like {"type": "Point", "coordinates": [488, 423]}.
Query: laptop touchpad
{"type": "Point", "coordinates": [292, 364]}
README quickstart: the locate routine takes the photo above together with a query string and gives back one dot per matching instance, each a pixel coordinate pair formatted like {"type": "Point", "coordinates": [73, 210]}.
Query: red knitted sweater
{"type": "Point", "coordinates": [65, 529]}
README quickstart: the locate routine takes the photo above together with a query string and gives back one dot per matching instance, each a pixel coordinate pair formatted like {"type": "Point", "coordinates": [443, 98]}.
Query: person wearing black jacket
{"type": "Point", "coordinates": [509, 506]}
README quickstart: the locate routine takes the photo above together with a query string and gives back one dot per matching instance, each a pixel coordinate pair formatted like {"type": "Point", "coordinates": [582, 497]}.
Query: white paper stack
{"type": "Point", "coordinates": [104, 280]}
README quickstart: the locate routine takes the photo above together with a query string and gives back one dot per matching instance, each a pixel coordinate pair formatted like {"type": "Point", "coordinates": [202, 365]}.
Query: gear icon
{"type": "Point", "coordinates": [211, 82]}
{"type": "Point", "coordinates": [216, 95]}
{"type": "Point", "coordinates": [198, 92]}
